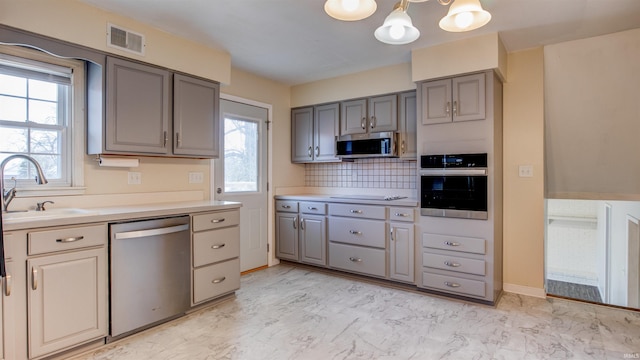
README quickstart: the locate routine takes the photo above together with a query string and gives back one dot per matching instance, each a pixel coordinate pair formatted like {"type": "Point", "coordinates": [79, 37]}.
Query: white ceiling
{"type": "Point", "coordinates": [295, 41]}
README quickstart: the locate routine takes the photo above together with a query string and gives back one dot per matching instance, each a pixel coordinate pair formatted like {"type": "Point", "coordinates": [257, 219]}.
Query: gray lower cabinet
{"type": "Point", "coordinates": [215, 252]}
{"type": "Point", "coordinates": [287, 236]}
{"type": "Point", "coordinates": [7, 313]}
{"type": "Point", "coordinates": [313, 239]}
{"type": "Point", "coordinates": [401, 254]}
{"type": "Point", "coordinates": [67, 288]}
{"type": "Point", "coordinates": [301, 232]}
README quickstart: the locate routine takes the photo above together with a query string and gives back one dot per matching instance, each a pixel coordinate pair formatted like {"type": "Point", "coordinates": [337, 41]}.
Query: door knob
{"type": "Point", "coordinates": [219, 191]}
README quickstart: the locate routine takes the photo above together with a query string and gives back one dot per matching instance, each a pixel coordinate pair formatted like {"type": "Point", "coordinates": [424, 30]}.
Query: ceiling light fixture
{"type": "Point", "coordinates": [397, 28]}
{"type": "Point", "coordinates": [464, 15]}
{"type": "Point", "coordinates": [350, 10]}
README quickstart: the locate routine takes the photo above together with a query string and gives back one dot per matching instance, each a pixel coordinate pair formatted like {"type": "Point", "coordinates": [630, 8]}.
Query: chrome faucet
{"type": "Point", "coordinates": [11, 193]}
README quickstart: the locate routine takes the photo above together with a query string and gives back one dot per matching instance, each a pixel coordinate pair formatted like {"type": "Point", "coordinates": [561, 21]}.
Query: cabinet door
{"type": "Point", "coordinates": [468, 98]}
{"type": "Point", "coordinates": [401, 253]}
{"type": "Point", "coordinates": [196, 123]}
{"type": "Point", "coordinates": [436, 100]}
{"type": "Point", "coordinates": [313, 239]}
{"type": "Point", "coordinates": [325, 130]}
{"type": "Point", "coordinates": [383, 113]}
{"type": "Point", "coordinates": [353, 117]}
{"type": "Point", "coordinates": [7, 312]}
{"type": "Point", "coordinates": [66, 300]}
{"type": "Point", "coordinates": [302, 135]}
{"type": "Point", "coordinates": [137, 108]}
{"type": "Point", "coordinates": [287, 236]}
{"type": "Point", "coordinates": [407, 126]}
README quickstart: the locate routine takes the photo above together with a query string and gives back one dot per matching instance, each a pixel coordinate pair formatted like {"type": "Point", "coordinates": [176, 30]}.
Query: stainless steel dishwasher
{"type": "Point", "coordinates": [149, 269]}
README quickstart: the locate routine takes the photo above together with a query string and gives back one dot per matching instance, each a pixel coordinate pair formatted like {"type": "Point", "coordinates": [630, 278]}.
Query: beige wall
{"type": "Point", "coordinates": [79, 23]}
{"type": "Point", "coordinates": [523, 126]}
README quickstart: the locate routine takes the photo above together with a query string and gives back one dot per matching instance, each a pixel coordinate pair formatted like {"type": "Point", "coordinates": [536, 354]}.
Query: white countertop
{"type": "Point", "coordinates": [118, 213]}
{"type": "Point", "coordinates": [347, 199]}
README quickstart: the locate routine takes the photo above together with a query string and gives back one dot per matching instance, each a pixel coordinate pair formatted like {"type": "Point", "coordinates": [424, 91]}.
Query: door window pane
{"type": "Point", "coordinates": [241, 140]}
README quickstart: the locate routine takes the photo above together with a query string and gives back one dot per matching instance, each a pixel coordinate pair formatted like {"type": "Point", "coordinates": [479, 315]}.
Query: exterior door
{"type": "Point", "coordinates": [240, 174]}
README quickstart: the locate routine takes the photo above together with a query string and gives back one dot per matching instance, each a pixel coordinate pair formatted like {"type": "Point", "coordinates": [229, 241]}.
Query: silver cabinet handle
{"type": "Point", "coordinates": [401, 214]}
{"type": "Point", "coordinates": [452, 264]}
{"type": "Point", "coordinates": [372, 123]}
{"type": "Point", "coordinates": [295, 222]}
{"type": "Point", "coordinates": [363, 122]}
{"type": "Point", "coordinates": [355, 259]}
{"type": "Point", "coordinates": [34, 278]}
{"type": "Point", "coordinates": [301, 224]}
{"type": "Point", "coordinates": [356, 211]}
{"type": "Point", "coordinates": [455, 108]}
{"type": "Point", "coordinates": [355, 232]}
{"type": "Point", "coordinates": [217, 221]}
{"type": "Point", "coordinates": [312, 208]}
{"type": "Point", "coordinates": [178, 140]}
{"type": "Point", "coordinates": [451, 243]}
{"type": "Point", "coordinates": [309, 151]}
{"type": "Point", "coordinates": [70, 239]}
{"type": "Point", "coordinates": [391, 235]}
{"type": "Point", "coordinates": [447, 108]}
{"type": "Point", "coordinates": [452, 284]}
{"type": "Point", "coordinates": [8, 284]}
{"type": "Point", "coordinates": [218, 281]}
{"type": "Point", "coordinates": [286, 206]}
{"type": "Point", "coordinates": [402, 147]}
{"type": "Point", "coordinates": [164, 143]}
{"type": "Point", "coordinates": [218, 246]}
{"type": "Point", "coordinates": [317, 151]}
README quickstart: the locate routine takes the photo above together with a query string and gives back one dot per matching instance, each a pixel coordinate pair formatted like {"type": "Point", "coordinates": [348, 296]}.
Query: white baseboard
{"type": "Point", "coordinates": [525, 290]}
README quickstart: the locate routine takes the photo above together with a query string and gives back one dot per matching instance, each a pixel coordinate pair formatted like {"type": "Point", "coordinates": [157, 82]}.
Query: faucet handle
{"type": "Point", "coordinates": [40, 205]}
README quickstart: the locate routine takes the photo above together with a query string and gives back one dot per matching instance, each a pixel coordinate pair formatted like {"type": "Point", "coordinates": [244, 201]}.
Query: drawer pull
{"type": "Point", "coordinates": [451, 263]}
{"type": "Point", "coordinates": [34, 278]}
{"type": "Point", "coordinates": [451, 243]}
{"type": "Point", "coordinates": [356, 211]}
{"type": "Point", "coordinates": [217, 221]}
{"type": "Point", "coordinates": [452, 284]}
{"type": "Point", "coordinates": [355, 259]}
{"type": "Point", "coordinates": [8, 284]}
{"type": "Point", "coordinates": [286, 206]}
{"type": "Point", "coordinates": [218, 281]}
{"type": "Point", "coordinates": [70, 239]}
{"type": "Point", "coordinates": [312, 208]}
{"type": "Point", "coordinates": [215, 247]}
{"type": "Point", "coordinates": [401, 214]}
{"type": "Point", "coordinates": [355, 232]}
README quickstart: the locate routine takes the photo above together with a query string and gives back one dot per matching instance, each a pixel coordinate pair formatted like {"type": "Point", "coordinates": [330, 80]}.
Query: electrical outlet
{"type": "Point", "coordinates": [196, 178]}
{"type": "Point", "coordinates": [525, 171]}
{"type": "Point", "coordinates": [134, 178]}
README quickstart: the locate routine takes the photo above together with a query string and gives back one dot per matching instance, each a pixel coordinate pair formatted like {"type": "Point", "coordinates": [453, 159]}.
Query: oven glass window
{"type": "Point", "coordinates": [454, 192]}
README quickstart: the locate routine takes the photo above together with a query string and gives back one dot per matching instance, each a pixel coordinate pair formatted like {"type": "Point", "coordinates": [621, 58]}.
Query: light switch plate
{"type": "Point", "coordinates": [134, 178]}
{"type": "Point", "coordinates": [525, 171]}
{"type": "Point", "coordinates": [196, 178]}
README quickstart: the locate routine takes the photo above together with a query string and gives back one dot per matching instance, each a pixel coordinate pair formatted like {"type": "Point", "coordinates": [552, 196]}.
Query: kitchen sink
{"type": "Point", "coordinates": [47, 214]}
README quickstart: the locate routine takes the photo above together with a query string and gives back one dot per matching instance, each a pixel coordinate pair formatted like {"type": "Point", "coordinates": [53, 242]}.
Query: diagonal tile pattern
{"type": "Point", "coordinates": [288, 312]}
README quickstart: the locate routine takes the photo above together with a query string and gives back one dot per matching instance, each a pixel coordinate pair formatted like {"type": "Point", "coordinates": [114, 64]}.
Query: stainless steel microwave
{"type": "Point", "coordinates": [367, 145]}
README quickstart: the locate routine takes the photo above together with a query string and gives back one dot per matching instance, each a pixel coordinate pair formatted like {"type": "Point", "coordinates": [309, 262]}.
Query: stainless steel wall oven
{"type": "Point", "coordinates": [454, 186]}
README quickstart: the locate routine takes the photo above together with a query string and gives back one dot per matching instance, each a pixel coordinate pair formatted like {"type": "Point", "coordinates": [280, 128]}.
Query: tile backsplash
{"type": "Point", "coordinates": [387, 173]}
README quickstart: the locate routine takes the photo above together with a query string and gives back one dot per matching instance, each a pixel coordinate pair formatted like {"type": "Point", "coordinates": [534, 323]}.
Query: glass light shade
{"type": "Point", "coordinates": [397, 29]}
{"type": "Point", "coordinates": [465, 15]}
{"type": "Point", "coordinates": [350, 10]}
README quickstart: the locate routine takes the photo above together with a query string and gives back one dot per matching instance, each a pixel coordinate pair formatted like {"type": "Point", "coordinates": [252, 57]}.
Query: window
{"type": "Point", "coordinates": [41, 107]}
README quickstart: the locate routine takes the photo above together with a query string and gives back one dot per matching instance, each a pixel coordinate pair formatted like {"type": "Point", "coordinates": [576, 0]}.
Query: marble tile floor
{"type": "Point", "coordinates": [289, 312]}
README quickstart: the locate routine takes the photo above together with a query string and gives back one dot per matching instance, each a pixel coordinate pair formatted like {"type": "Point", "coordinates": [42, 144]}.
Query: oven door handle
{"type": "Point", "coordinates": [453, 172]}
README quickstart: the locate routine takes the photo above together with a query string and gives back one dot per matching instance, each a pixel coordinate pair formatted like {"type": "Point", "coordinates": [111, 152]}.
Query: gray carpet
{"type": "Point", "coordinates": [573, 291]}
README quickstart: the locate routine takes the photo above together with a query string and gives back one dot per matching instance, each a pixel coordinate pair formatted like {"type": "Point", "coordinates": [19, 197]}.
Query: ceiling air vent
{"type": "Point", "coordinates": [124, 39]}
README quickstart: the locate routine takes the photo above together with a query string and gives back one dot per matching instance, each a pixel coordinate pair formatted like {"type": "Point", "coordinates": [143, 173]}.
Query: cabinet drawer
{"type": "Point", "coordinates": [217, 245]}
{"type": "Point", "coordinates": [401, 214]}
{"type": "Point", "coordinates": [41, 242]}
{"type": "Point", "coordinates": [454, 263]}
{"type": "Point", "coordinates": [359, 211]}
{"type": "Point", "coordinates": [313, 208]}
{"type": "Point", "coordinates": [215, 280]}
{"type": "Point", "coordinates": [358, 259]}
{"type": "Point", "coordinates": [216, 220]}
{"type": "Point", "coordinates": [358, 231]}
{"type": "Point", "coordinates": [287, 206]}
{"type": "Point", "coordinates": [454, 284]}
{"type": "Point", "coordinates": [456, 243]}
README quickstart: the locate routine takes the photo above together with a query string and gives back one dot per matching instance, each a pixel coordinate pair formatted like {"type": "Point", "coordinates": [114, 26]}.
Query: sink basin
{"type": "Point", "coordinates": [47, 214]}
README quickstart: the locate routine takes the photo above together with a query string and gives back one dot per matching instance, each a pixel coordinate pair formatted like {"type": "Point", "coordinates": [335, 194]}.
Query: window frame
{"type": "Point", "coordinates": [72, 135]}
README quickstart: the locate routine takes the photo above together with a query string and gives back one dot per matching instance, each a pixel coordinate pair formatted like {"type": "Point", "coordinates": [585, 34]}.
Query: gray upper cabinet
{"type": "Point", "coordinates": [314, 131]}
{"type": "Point", "coordinates": [195, 116]}
{"type": "Point", "coordinates": [374, 114]}
{"type": "Point", "coordinates": [458, 99]}
{"type": "Point", "coordinates": [137, 118]}
{"type": "Point", "coordinates": [407, 120]}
